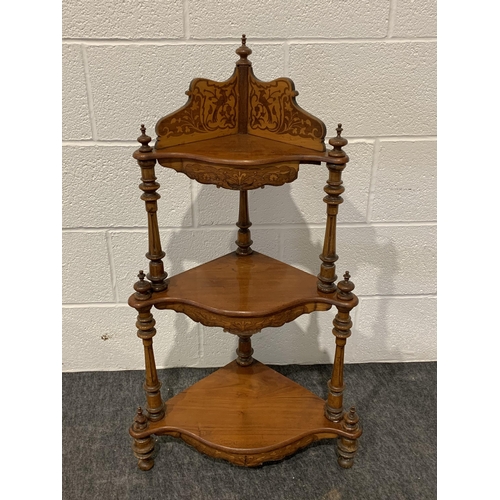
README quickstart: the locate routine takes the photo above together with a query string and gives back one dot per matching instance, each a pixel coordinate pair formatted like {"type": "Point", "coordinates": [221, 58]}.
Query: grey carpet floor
{"type": "Point", "coordinates": [396, 458]}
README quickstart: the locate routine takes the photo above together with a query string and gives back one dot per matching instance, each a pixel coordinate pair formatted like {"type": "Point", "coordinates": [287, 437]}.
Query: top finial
{"type": "Point", "coordinates": [140, 421]}
{"type": "Point", "coordinates": [338, 142]}
{"type": "Point", "coordinates": [345, 287]}
{"type": "Point", "coordinates": [144, 140]}
{"type": "Point", "coordinates": [243, 52]}
{"type": "Point", "coordinates": [142, 287]}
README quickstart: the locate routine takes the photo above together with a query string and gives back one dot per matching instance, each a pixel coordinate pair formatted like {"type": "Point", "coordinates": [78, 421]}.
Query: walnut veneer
{"type": "Point", "coordinates": [242, 134]}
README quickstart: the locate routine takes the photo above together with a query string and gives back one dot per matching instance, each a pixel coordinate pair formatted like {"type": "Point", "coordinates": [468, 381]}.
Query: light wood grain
{"type": "Point", "coordinates": [247, 415]}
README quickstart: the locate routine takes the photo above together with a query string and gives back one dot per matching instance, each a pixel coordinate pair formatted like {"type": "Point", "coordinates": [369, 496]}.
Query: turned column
{"type": "Point", "coordinates": [333, 189]}
{"type": "Point", "coordinates": [146, 331]}
{"type": "Point", "coordinates": [244, 350]}
{"type": "Point", "coordinates": [157, 274]}
{"type": "Point", "coordinates": [342, 330]}
{"type": "Point", "coordinates": [244, 240]}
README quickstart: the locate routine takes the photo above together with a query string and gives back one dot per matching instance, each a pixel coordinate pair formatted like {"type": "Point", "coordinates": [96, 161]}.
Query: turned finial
{"type": "Point", "coordinates": [338, 143]}
{"type": "Point", "coordinates": [142, 287]}
{"type": "Point", "coordinates": [243, 51]}
{"type": "Point", "coordinates": [345, 287]}
{"type": "Point", "coordinates": [140, 420]}
{"type": "Point", "coordinates": [144, 140]}
{"type": "Point", "coordinates": [139, 416]}
{"type": "Point", "coordinates": [351, 418]}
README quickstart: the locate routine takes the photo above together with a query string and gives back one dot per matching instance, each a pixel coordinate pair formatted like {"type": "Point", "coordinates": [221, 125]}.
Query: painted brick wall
{"type": "Point", "coordinates": [370, 64]}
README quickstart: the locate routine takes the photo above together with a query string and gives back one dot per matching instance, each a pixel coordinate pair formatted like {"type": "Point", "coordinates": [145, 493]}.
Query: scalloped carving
{"type": "Point", "coordinates": [229, 177]}
{"type": "Point", "coordinates": [275, 114]}
{"type": "Point", "coordinates": [250, 460]}
{"type": "Point", "coordinates": [242, 325]}
{"type": "Point", "coordinates": [211, 111]}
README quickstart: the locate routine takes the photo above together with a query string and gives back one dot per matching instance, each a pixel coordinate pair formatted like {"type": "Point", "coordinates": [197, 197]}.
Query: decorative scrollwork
{"type": "Point", "coordinates": [273, 109]}
{"type": "Point", "coordinates": [250, 460]}
{"type": "Point", "coordinates": [243, 325]}
{"type": "Point", "coordinates": [211, 108]}
{"type": "Point", "coordinates": [239, 178]}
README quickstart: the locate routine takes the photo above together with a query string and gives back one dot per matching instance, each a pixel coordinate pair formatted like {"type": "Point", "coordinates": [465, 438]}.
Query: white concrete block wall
{"type": "Point", "coordinates": [370, 64]}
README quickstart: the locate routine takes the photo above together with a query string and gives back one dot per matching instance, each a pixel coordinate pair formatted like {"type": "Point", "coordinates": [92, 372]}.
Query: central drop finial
{"type": "Point", "coordinates": [243, 52]}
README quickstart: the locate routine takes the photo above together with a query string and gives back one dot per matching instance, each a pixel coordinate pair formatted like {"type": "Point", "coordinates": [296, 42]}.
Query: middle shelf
{"type": "Point", "coordinates": [242, 293]}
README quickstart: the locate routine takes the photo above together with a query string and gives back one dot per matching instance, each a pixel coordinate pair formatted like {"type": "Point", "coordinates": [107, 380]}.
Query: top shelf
{"type": "Point", "coordinates": [239, 150]}
{"type": "Point", "coordinates": [241, 133]}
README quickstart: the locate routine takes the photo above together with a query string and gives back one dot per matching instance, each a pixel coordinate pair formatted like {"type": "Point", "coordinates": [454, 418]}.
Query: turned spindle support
{"type": "Point", "coordinates": [146, 331]}
{"type": "Point", "coordinates": [143, 447]}
{"type": "Point", "coordinates": [244, 350]}
{"type": "Point", "coordinates": [149, 186]}
{"type": "Point", "coordinates": [244, 240]}
{"type": "Point", "coordinates": [342, 330]}
{"type": "Point", "coordinates": [333, 189]}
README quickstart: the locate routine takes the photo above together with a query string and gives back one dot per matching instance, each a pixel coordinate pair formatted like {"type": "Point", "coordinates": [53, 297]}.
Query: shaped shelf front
{"type": "Point", "coordinates": [246, 415]}
{"type": "Point", "coordinates": [240, 161]}
{"type": "Point", "coordinates": [242, 293]}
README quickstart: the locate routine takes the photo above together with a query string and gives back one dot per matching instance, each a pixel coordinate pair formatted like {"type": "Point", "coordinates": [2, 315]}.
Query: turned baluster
{"type": "Point", "coordinates": [157, 274]}
{"type": "Point", "coordinates": [333, 189]}
{"type": "Point", "coordinates": [244, 240]}
{"type": "Point", "coordinates": [244, 350]}
{"type": "Point", "coordinates": [146, 331]}
{"type": "Point", "coordinates": [342, 330]}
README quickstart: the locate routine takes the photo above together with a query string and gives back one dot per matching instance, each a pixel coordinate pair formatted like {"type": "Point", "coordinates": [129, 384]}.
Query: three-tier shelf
{"type": "Point", "coordinates": [243, 134]}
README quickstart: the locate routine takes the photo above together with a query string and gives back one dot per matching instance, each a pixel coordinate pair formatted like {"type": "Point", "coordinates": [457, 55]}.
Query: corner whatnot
{"type": "Point", "coordinates": [243, 134]}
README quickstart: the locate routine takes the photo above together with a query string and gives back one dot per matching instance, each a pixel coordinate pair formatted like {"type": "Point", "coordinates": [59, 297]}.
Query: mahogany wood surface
{"type": "Point", "coordinates": [242, 293]}
{"type": "Point", "coordinates": [238, 150]}
{"type": "Point", "coordinates": [242, 134]}
{"type": "Point", "coordinates": [247, 415]}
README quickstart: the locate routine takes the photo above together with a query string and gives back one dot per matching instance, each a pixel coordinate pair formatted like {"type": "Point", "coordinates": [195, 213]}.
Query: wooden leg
{"type": "Point", "coordinates": [244, 240]}
{"type": "Point", "coordinates": [143, 447]}
{"type": "Point", "coordinates": [244, 350]}
{"type": "Point", "coordinates": [146, 331]}
{"type": "Point", "coordinates": [342, 330]}
{"type": "Point", "coordinates": [155, 254]}
{"type": "Point", "coordinates": [346, 447]}
{"type": "Point", "coordinates": [334, 404]}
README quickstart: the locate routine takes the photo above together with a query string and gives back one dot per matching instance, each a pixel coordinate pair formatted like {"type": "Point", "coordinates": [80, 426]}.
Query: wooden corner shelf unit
{"type": "Point", "coordinates": [243, 134]}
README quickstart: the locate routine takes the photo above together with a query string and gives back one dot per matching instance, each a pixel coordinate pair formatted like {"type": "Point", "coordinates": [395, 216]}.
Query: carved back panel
{"type": "Point", "coordinates": [242, 103]}
{"type": "Point", "coordinates": [274, 114]}
{"type": "Point", "coordinates": [211, 111]}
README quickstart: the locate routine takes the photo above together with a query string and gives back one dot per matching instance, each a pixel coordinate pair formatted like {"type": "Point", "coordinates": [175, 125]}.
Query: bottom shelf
{"type": "Point", "coordinates": [246, 415]}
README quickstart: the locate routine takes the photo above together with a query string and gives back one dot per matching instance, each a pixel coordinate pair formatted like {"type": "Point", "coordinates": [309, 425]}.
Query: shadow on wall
{"type": "Point", "coordinates": [300, 341]}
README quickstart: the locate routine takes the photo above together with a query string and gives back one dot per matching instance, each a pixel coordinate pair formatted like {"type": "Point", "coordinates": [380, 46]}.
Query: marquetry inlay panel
{"type": "Point", "coordinates": [211, 111]}
{"type": "Point", "coordinates": [275, 114]}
